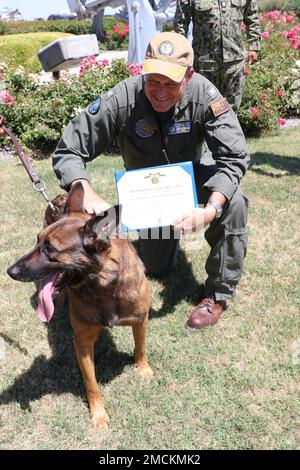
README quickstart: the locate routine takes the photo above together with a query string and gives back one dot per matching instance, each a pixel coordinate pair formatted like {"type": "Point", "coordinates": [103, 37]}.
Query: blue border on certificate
{"type": "Point", "coordinates": [186, 166]}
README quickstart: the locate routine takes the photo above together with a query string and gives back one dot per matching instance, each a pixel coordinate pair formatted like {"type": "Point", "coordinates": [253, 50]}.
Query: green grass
{"type": "Point", "coordinates": [21, 49]}
{"type": "Point", "coordinates": [234, 386]}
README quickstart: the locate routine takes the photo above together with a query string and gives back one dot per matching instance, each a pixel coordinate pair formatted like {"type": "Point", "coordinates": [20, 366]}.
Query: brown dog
{"type": "Point", "coordinates": [104, 280]}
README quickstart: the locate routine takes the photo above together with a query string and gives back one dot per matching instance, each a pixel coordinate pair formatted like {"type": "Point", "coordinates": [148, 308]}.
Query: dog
{"type": "Point", "coordinates": [104, 279]}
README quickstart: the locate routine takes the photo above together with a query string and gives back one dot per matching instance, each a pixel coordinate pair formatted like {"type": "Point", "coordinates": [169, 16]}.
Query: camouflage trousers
{"type": "Point", "coordinates": [229, 78]}
{"type": "Point", "coordinates": [226, 236]}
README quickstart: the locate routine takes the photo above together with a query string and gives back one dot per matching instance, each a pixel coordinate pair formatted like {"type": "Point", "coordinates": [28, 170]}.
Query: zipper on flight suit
{"type": "Point", "coordinates": [164, 142]}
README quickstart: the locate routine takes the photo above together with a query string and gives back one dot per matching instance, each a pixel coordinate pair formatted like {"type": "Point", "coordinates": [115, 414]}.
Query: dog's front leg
{"type": "Point", "coordinates": [85, 337]}
{"type": "Point", "coordinates": [139, 333]}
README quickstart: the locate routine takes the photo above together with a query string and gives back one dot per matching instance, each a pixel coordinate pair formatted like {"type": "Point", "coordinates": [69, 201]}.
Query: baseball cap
{"type": "Point", "coordinates": [168, 54]}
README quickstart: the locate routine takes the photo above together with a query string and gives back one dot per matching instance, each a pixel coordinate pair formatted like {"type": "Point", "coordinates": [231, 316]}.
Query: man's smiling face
{"type": "Point", "coordinates": [162, 92]}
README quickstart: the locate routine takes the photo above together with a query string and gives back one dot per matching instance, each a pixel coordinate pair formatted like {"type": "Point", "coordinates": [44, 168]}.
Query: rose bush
{"type": "Point", "coordinates": [272, 90]}
{"type": "Point", "coordinates": [37, 113]}
{"type": "Point", "coordinates": [117, 38]}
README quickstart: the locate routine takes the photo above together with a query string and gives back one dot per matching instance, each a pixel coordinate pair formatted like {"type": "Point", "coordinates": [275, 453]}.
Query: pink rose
{"type": "Point", "coordinates": [281, 122]}
{"type": "Point", "coordinates": [289, 18]}
{"type": "Point", "coordinates": [6, 98]}
{"type": "Point", "coordinates": [254, 112]}
{"type": "Point", "coordinates": [135, 69]}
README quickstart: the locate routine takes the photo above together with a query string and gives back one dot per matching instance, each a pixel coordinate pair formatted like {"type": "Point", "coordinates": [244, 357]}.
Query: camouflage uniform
{"type": "Point", "coordinates": [125, 114]}
{"type": "Point", "coordinates": [217, 40]}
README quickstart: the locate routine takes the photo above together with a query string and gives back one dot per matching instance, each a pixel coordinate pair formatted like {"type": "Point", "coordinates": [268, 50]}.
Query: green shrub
{"type": "Point", "coordinates": [3, 28]}
{"type": "Point", "coordinates": [63, 26]}
{"type": "Point", "coordinates": [117, 37]}
{"type": "Point", "coordinates": [292, 5]}
{"type": "Point", "coordinates": [40, 112]}
{"type": "Point", "coordinates": [272, 90]}
{"type": "Point", "coordinates": [281, 5]}
{"type": "Point", "coordinates": [38, 26]}
{"type": "Point", "coordinates": [269, 5]}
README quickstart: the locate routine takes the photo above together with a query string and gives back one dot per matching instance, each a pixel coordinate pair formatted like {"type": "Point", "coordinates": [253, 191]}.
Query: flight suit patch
{"type": "Point", "coordinates": [220, 107]}
{"type": "Point", "coordinates": [144, 128]}
{"type": "Point", "coordinates": [179, 128]}
{"type": "Point", "coordinates": [109, 94]}
{"type": "Point", "coordinates": [95, 106]}
{"type": "Point", "coordinates": [212, 92]}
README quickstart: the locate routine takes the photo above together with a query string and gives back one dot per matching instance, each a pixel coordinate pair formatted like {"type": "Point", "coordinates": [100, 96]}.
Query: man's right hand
{"type": "Point", "coordinates": [92, 203]}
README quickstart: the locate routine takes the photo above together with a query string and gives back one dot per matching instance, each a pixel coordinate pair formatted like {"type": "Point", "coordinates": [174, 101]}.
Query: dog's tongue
{"type": "Point", "coordinates": [45, 301]}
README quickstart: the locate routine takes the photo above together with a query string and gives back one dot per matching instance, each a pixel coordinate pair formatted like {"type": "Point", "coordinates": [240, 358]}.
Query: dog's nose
{"type": "Point", "coordinates": [13, 272]}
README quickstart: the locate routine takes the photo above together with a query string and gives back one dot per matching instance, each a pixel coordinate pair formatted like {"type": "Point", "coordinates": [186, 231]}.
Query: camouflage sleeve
{"type": "Point", "coordinates": [182, 16]}
{"type": "Point", "coordinates": [251, 20]}
{"type": "Point", "coordinates": [85, 137]}
{"type": "Point", "coordinates": [226, 141]}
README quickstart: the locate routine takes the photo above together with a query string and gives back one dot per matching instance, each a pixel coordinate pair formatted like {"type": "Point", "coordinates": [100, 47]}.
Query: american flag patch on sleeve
{"type": "Point", "coordinates": [219, 107]}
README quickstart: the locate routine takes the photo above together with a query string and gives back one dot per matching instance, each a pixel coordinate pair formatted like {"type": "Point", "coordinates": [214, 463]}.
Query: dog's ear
{"type": "Point", "coordinates": [51, 216]}
{"type": "Point", "coordinates": [75, 198]}
{"type": "Point", "coordinates": [100, 228]}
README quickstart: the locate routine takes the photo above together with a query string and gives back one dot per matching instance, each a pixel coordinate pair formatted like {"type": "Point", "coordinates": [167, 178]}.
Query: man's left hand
{"type": "Point", "coordinates": [252, 57]}
{"type": "Point", "coordinates": [195, 219]}
{"type": "Point", "coordinates": [2, 133]}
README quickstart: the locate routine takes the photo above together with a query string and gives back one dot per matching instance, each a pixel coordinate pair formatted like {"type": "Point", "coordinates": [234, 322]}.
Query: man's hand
{"type": "Point", "coordinates": [92, 203]}
{"type": "Point", "coordinates": [252, 57]}
{"type": "Point", "coordinates": [2, 133]}
{"type": "Point", "coordinates": [195, 220]}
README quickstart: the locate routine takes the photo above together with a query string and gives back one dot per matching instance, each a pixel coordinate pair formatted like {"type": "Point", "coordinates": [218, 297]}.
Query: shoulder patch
{"type": "Point", "coordinates": [95, 106]}
{"type": "Point", "coordinates": [220, 107]}
{"type": "Point", "coordinates": [212, 92]}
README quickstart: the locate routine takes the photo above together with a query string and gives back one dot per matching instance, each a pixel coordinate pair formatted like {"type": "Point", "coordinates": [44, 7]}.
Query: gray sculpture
{"type": "Point", "coordinates": [145, 17]}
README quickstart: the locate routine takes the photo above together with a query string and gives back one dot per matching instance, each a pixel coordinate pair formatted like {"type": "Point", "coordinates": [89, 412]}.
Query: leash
{"type": "Point", "coordinates": [37, 184]}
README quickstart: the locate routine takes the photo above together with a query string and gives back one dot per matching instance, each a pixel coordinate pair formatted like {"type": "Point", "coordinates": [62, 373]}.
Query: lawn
{"type": "Point", "coordinates": [233, 386]}
{"type": "Point", "coordinates": [21, 49]}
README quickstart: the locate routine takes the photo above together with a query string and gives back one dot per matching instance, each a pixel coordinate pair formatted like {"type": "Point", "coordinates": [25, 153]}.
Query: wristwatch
{"type": "Point", "coordinates": [218, 207]}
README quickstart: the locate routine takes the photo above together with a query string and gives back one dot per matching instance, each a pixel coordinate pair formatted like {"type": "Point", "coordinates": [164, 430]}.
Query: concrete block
{"type": "Point", "coordinates": [68, 52]}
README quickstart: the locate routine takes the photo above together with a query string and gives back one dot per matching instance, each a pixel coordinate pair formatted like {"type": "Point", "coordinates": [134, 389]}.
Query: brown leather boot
{"type": "Point", "coordinates": [207, 313]}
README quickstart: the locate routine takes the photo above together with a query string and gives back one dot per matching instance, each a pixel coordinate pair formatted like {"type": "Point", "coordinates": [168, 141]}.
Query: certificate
{"type": "Point", "coordinates": [155, 196]}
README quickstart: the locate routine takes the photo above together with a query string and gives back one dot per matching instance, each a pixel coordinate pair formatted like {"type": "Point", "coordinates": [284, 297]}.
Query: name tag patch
{"type": "Point", "coordinates": [179, 128]}
{"type": "Point", "coordinates": [219, 107]}
{"type": "Point", "coordinates": [144, 128]}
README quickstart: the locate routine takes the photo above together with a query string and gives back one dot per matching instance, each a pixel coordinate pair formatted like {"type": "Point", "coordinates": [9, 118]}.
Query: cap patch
{"type": "Point", "coordinates": [220, 107]}
{"type": "Point", "coordinates": [165, 48]}
{"type": "Point", "coordinates": [144, 128]}
{"type": "Point", "coordinates": [95, 106]}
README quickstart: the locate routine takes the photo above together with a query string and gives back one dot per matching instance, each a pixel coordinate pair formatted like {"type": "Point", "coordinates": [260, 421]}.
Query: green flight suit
{"type": "Point", "coordinates": [217, 40]}
{"type": "Point", "coordinates": [125, 115]}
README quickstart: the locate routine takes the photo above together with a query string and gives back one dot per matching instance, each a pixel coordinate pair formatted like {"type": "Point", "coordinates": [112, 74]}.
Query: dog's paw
{"type": "Point", "coordinates": [145, 371]}
{"type": "Point", "coordinates": [100, 419]}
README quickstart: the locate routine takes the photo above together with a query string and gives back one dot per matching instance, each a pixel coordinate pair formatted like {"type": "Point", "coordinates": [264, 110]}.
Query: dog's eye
{"type": "Point", "coordinates": [48, 249]}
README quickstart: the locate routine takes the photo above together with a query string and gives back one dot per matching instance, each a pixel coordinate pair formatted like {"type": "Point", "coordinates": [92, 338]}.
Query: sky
{"type": "Point", "coordinates": [31, 9]}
